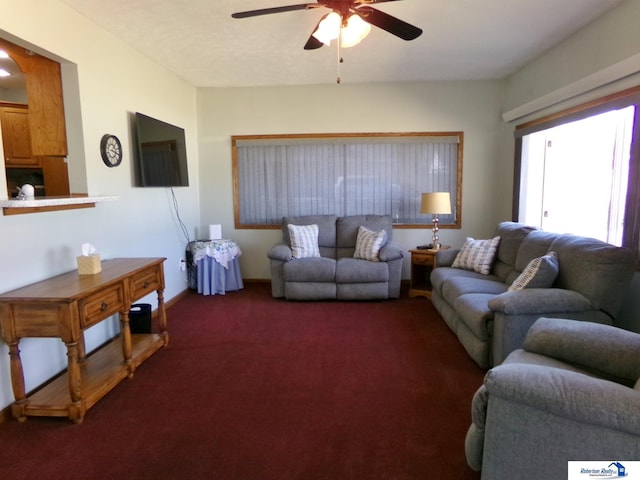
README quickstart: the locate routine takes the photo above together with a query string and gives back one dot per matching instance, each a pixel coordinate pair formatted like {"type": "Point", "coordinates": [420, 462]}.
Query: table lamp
{"type": "Point", "coordinates": [436, 203]}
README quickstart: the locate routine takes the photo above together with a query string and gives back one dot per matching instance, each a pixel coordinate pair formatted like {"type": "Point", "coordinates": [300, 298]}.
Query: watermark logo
{"type": "Point", "coordinates": [629, 470]}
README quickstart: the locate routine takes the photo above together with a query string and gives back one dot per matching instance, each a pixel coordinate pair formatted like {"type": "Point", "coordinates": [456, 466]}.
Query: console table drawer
{"type": "Point", "coordinates": [100, 305]}
{"type": "Point", "coordinates": [145, 282]}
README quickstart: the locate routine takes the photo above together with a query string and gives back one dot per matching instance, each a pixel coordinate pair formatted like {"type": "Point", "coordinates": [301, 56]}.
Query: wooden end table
{"type": "Point", "coordinates": [423, 261]}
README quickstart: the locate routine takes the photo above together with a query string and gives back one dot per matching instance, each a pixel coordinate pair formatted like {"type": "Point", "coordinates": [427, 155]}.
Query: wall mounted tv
{"type": "Point", "coordinates": [161, 153]}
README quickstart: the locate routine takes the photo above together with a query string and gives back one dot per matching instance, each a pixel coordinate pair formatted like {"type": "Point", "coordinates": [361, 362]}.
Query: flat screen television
{"type": "Point", "coordinates": [161, 153]}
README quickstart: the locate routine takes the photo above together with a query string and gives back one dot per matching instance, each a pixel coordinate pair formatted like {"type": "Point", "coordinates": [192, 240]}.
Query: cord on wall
{"type": "Point", "coordinates": [175, 207]}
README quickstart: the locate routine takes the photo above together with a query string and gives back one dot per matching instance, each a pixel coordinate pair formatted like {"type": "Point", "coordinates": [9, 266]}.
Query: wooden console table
{"type": "Point", "coordinates": [63, 307]}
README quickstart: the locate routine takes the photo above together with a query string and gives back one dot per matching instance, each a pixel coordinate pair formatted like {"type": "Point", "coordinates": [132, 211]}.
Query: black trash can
{"type": "Point", "coordinates": [140, 318]}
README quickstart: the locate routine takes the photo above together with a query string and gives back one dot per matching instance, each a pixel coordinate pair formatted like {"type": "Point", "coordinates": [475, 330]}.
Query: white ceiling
{"type": "Point", "coordinates": [462, 39]}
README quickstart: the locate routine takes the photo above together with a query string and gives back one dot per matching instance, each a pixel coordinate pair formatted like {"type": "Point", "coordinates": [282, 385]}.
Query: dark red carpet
{"type": "Point", "coordinates": [252, 388]}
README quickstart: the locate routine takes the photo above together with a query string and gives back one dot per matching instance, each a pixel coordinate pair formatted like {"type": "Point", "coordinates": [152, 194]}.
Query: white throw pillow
{"type": "Point", "coordinates": [477, 255]}
{"type": "Point", "coordinates": [304, 240]}
{"type": "Point", "coordinates": [539, 273]}
{"type": "Point", "coordinates": [369, 243]}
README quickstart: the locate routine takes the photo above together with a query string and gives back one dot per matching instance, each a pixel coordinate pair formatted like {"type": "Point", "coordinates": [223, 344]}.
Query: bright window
{"type": "Point", "coordinates": [578, 171]}
{"type": "Point", "coordinates": [574, 176]}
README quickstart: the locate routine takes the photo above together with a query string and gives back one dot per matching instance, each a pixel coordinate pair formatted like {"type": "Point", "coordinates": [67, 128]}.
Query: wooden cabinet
{"type": "Point", "coordinates": [63, 307]}
{"type": "Point", "coordinates": [16, 136]}
{"type": "Point", "coordinates": [46, 106]}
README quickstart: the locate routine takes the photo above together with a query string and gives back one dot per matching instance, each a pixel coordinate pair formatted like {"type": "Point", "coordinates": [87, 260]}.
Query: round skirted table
{"type": "Point", "coordinates": [214, 266]}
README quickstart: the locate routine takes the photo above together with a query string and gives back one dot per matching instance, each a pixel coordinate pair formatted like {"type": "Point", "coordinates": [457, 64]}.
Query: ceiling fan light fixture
{"type": "Point", "coordinates": [329, 28]}
{"type": "Point", "coordinates": [354, 31]}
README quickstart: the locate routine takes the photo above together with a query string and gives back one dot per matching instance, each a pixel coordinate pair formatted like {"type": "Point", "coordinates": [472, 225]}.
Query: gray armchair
{"type": "Point", "coordinates": [571, 393]}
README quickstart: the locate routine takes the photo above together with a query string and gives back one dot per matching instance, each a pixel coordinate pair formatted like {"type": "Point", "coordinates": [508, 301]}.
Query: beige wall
{"type": "Point", "coordinates": [113, 81]}
{"type": "Point", "coordinates": [472, 107]}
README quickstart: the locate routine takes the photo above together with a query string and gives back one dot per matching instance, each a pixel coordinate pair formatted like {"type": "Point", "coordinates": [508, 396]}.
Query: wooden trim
{"type": "Point", "coordinates": [629, 92]}
{"type": "Point", "coordinates": [51, 208]}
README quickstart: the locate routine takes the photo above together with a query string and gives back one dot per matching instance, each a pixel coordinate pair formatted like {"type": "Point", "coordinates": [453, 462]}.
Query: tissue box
{"type": "Point", "coordinates": [89, 264]}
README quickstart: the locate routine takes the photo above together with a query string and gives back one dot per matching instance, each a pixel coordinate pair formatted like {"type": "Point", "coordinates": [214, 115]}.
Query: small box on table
{"type": "Point", "coordinates": [89, 264]}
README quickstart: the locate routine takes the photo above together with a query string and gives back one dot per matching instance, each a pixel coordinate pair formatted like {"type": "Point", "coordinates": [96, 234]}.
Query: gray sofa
{"type": "Point", "coordinates": [571, 393]}
{"type": "Point", "coordinates": [336, 275]}
{"type": "Point", "coordinates": [491, 321]}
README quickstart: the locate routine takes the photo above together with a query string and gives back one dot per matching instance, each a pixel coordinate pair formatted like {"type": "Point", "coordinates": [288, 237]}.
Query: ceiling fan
{"type": "Point", "coordinates": [347, 17]}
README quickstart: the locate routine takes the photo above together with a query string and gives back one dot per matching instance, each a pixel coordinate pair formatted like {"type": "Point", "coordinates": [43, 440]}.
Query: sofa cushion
{"type": "Point", "coordinates": [535, 245]}
{"type": "Point", "coordinates": [347, 230]}
{"type": "Point", "coordinates": [456, 287]}
{"type": "Point", "coordinates": [477, 255]}
{"type": "Point", "coordinates": [441, 275]}
{"type": "Point", "coordinates": [354, 270]}
{"type": "Point", "coordinates": [539, 273]}
{"type": "Point", "coordinates": [313, 269]}
{"type": "Point", "coordinates": [512, 235]}
{"type": "Point", "coordinates": [326, 231]}
{"type": "Point", "coordinates": [473, 309]}
{"type": "Point", "coordinates": [304, 241]}
{"type": "Point", "coordinates": [369, 243]}
{"type": "Point", "coordinates": [597, 270]}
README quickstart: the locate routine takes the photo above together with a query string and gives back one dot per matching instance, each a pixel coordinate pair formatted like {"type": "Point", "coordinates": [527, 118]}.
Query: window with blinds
{"type": "Point", "coordinates": [346, 174]}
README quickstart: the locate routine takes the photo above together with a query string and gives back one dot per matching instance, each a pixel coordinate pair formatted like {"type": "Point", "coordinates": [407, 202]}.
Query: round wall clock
{"type": "Point", "coordinates": [111, 150]}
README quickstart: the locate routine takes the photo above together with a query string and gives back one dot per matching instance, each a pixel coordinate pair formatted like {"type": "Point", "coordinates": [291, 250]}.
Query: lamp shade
{"type": "Point", "coordinates": [436, 202]}
{"type": "Point", "coordinates": [354, 32]}
{"type": "Point", "coordinates": [328, 28]}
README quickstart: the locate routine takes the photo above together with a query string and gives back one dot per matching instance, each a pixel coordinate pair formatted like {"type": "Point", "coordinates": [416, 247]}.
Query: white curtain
{"type": "Point", "coordinates": [344, 178]}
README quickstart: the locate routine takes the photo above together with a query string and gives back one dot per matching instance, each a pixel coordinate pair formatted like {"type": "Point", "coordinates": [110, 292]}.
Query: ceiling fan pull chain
{"type": "Point", "coordinates": [340, 60]}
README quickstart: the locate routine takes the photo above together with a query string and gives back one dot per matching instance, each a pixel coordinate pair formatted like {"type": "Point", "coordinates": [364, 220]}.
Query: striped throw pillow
{"type": "Point", "coordinates": [539, 273]}
{"type": "Point", "coordinates": [369, 243]}
{"type": "Point", "coordinates": [304, 240]}
{"type": "Point", "coordinates": [477, 255]}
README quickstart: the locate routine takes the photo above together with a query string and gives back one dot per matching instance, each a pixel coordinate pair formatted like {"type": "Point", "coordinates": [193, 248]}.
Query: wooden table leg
{"type": "Point", "coordinates": [125, 336]}
{"type": "Point", "coordinates": [162, 318]}
{"type": "Point", "coordinates": [17, 381]}
{"type": "Point", "coordinates": [76, 411]}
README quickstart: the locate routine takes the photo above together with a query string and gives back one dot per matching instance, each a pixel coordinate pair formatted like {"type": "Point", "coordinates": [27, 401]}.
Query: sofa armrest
{"type": "Point", "coordinates": [607, 349]}
{"type": "Point", "coordinates": [389, 252]}
{"type": "Point", "coordinates": [567, 394]}
{"type": "Point", "coordinates": [539, 301]}
{"type": "Point", "coordinates": [445, 258]}
{"type": "Point", "coordinates": [280, 251]}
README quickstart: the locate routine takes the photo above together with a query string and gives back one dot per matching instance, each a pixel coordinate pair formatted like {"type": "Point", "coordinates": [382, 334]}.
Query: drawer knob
{"type": "Point", "coordinates": [146, 283]}
{"type": "Point", "coordinates": [104, 306]}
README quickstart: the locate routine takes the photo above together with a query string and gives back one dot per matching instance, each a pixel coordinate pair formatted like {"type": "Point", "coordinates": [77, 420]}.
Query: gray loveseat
{"type": "Point", "coordinates": [571, 393]}
{"type": "Point", "coordinates": [491, 321]}
{"type": "Point", "coordinates": [336, 274]}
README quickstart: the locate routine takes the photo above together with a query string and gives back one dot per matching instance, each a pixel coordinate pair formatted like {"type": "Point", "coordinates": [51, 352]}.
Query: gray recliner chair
{"type": "Point", "coordinates": [571, 393]}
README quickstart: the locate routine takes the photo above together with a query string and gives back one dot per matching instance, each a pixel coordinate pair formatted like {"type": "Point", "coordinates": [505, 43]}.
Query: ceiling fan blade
{"type": "Point", "coordinates": [386, 22]}
{"type": "Point", "coordinates": [313, 43]}
{"type": "Point", "coordinates": [374, 1]}
{"type": "Point", "coordinates": [267, 11]}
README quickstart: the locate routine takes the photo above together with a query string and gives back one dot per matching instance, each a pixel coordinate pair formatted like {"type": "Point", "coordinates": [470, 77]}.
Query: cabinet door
{"type": "Point", "coordinates": [46, 108]}
{"type": "Point", "coordinates": [16, 136]}
{"type": "Point", "coordinates": [46, 105]}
